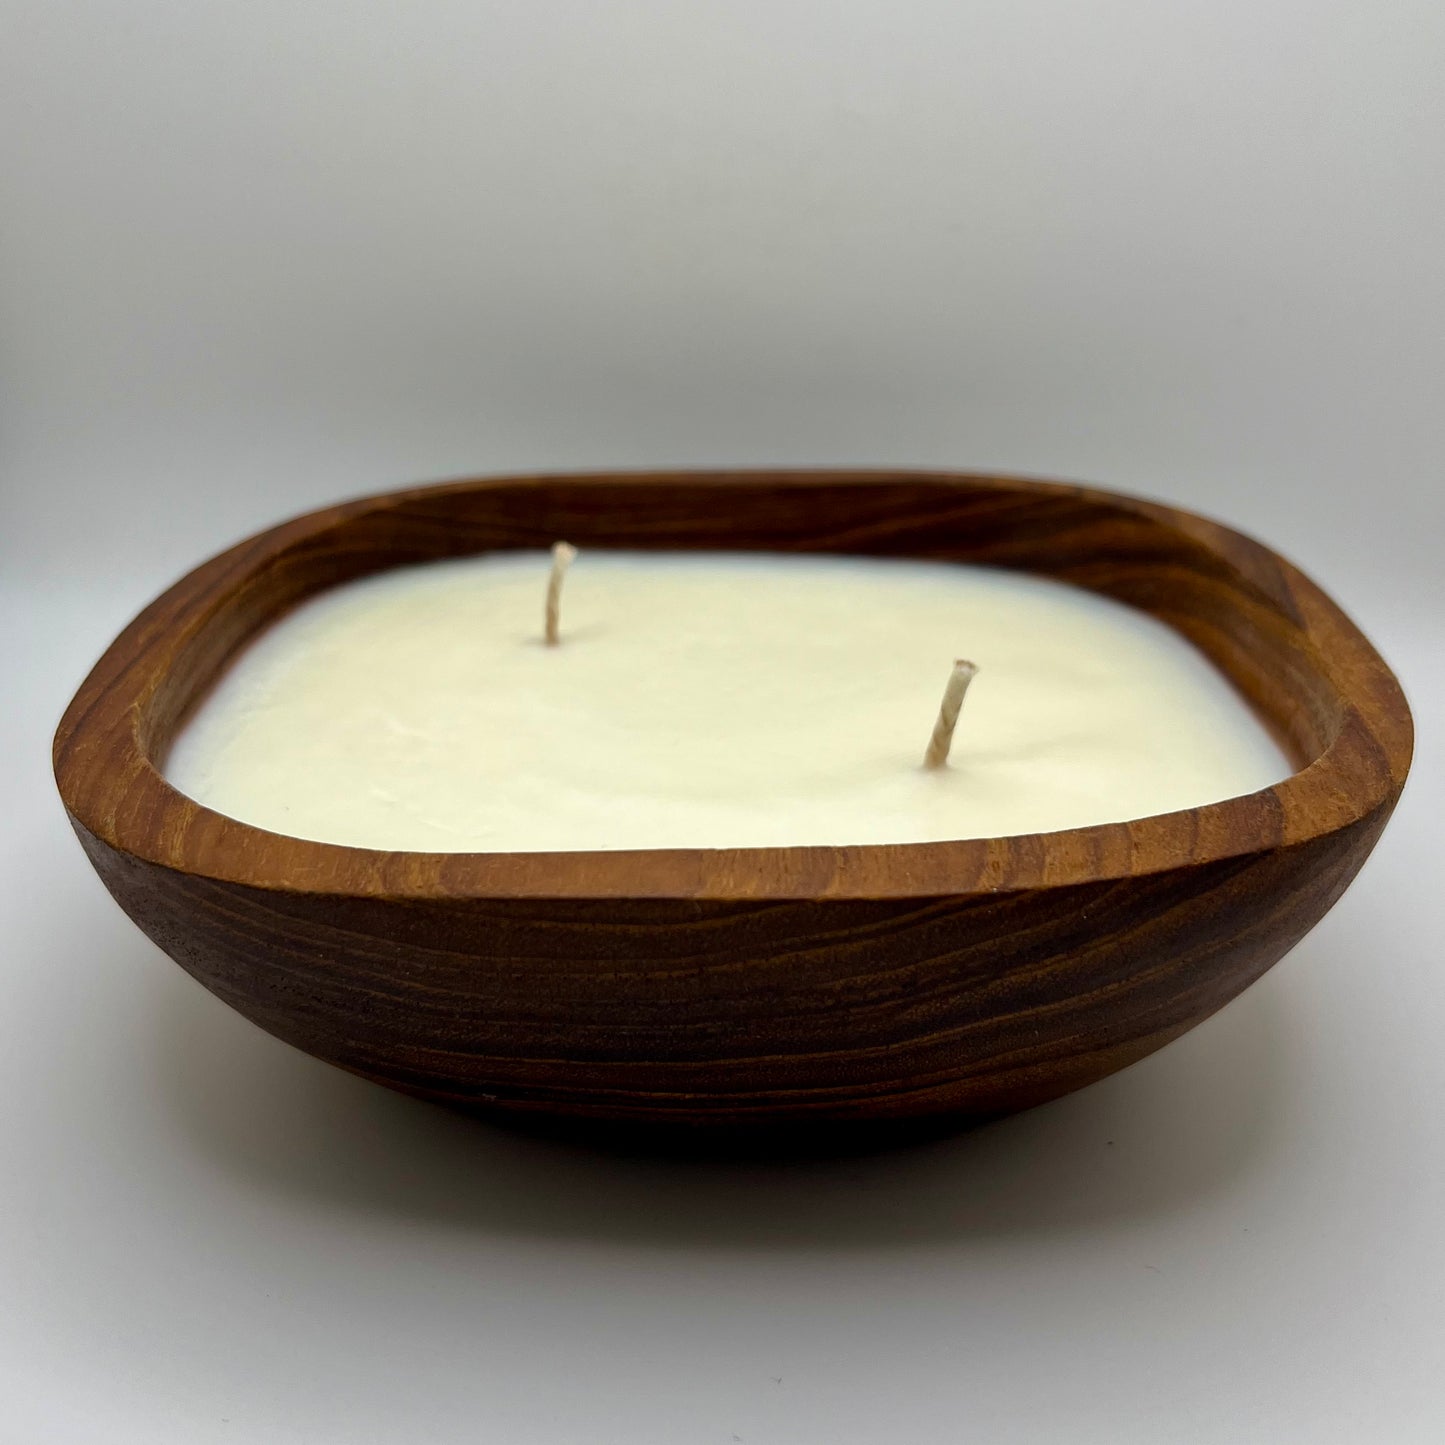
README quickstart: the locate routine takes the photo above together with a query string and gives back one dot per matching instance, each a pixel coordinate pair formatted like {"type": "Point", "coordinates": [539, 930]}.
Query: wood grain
{"type": "Point", "coordinates": [750, 987]}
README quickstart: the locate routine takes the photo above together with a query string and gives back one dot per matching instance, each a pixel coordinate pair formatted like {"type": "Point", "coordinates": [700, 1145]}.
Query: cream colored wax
{"type": "Point", "coordinates": [710, 701]}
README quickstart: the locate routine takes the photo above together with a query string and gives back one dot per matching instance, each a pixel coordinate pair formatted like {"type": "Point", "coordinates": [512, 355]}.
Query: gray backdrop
{"type": "Point", "coordinates": [258, 256]}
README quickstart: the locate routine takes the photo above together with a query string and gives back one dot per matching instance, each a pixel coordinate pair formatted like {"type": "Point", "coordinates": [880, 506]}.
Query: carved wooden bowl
{"type": "Point", "coordinates": [765, 986]}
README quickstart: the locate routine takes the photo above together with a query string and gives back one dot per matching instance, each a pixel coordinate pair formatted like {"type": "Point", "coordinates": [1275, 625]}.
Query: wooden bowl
{"type": "Point", "coordinates": [756, 986]}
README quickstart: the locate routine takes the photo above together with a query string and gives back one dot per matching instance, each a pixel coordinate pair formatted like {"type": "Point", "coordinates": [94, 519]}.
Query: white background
{"type": "Point", "coordinates": [258, 256]}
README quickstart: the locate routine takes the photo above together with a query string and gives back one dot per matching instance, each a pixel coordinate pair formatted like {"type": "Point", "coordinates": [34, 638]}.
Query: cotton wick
{"type": "Point", "coordinates": [942, 739]}
{"type": "Point", "coordinates": [563, 554]}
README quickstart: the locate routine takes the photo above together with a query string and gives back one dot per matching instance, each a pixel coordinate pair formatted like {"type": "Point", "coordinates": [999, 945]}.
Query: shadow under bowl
{"type": "Point", "coordinates": [755, 989]}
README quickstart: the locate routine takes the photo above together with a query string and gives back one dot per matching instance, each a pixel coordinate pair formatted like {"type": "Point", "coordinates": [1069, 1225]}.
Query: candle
{"type": "Point", "coordinates": [792, 696]}
{"type": "Point", "coordinates": [711, 700]}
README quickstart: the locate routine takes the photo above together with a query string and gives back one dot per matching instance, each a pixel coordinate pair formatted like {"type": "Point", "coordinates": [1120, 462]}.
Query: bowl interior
{"type": "Point", "coordinates": [1300, 664]}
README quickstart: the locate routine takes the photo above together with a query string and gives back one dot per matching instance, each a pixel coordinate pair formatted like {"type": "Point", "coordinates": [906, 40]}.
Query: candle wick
{"type": "Point", "coordinates": [563, 554]}
{"type": "Point", "coordinates": [942, 739]}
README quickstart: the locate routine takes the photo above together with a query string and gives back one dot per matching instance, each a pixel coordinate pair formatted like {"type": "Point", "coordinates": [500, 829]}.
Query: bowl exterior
{"type": "Point", "coordinates": [732, 1013]}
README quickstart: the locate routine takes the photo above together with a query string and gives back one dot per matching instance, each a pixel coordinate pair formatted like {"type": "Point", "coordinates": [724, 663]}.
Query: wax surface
{"type": "Point", "coordinates": [710, 701]}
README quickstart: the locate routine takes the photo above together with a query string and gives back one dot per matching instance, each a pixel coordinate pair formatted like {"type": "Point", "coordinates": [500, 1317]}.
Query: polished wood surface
{"type": "Point", "coordinates": [744, 987]}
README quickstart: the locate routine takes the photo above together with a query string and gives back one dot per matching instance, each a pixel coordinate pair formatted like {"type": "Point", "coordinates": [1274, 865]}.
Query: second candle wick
{"type": "Point", "coordinates": [942, 739]}
{"type": "Point", "coordinates": [563, 554]}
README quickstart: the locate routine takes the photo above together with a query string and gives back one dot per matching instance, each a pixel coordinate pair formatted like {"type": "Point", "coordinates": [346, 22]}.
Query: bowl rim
{"type": "Point", "coordinates": [118, 798]}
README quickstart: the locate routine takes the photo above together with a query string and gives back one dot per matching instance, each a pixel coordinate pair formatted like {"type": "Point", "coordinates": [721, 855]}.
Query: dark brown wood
{"type": "Point", "coordinates": [750, 986]}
